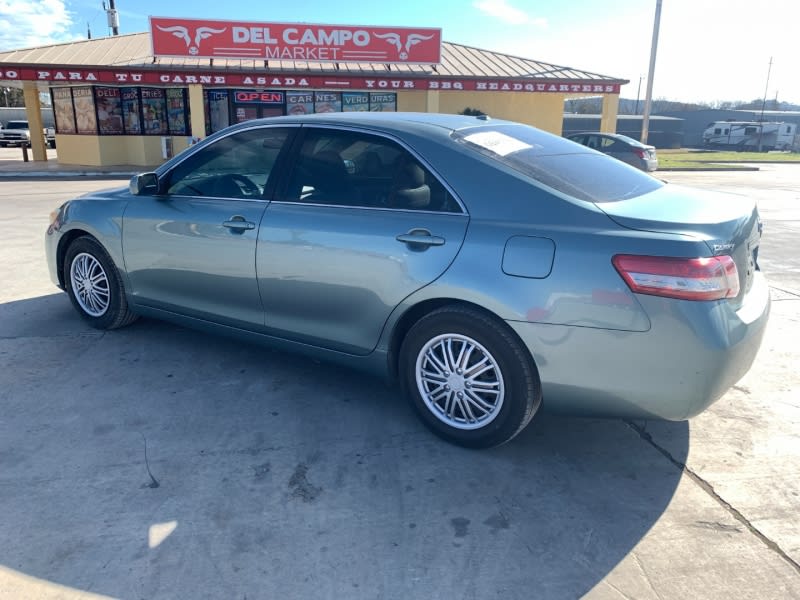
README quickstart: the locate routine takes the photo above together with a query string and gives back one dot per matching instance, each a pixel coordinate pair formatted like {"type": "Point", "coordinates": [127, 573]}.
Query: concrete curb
{"type": "Point", "coordinates": [65, 174]}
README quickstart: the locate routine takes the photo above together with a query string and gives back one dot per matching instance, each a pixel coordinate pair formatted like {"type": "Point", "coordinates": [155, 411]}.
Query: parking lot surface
{"type": "Point", "coordinates": [160, 462]}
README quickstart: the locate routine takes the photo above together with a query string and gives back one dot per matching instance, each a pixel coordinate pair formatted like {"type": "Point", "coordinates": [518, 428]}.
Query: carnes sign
{"type": "Point", "coordinates": [285, 41]}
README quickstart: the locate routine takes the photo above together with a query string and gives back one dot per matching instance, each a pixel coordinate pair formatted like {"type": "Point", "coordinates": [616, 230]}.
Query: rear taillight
{"type": "Point", "coordinates": [683, 278]}
{"type": "Point", "coordinates": [640, 153]}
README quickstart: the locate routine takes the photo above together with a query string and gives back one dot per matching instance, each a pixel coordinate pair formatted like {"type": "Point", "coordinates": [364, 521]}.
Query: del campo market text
{"type": "Point", "coordinates": [286, 41]}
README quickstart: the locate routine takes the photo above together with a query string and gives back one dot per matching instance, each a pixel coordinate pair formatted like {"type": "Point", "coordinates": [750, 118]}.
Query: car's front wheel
{"type": "Point", "coordinates": [470, 379]}
{"type": "Point", "coordinates": [94, 286]}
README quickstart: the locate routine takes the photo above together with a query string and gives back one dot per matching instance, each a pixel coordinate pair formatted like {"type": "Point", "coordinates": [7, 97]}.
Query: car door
{"type": "Point", "coordinates": [361, 223]}
{"type": "Point", "coordinates": [192, 249]}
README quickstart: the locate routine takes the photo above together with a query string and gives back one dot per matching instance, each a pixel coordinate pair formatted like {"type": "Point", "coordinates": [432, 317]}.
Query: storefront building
{"type": "Point", "coordinates": [136, 99]}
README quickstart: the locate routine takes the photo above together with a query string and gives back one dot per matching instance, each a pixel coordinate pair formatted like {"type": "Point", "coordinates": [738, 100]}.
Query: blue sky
{"type": "Point", "coordinates": [709, 50]}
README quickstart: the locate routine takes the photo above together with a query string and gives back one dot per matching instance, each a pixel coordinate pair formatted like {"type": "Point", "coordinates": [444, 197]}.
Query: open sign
{"type": "Point", "coordinates": [251, 97]}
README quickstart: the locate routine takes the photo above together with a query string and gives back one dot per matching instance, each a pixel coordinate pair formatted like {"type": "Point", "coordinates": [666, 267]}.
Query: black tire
{"type": "Point", "coordinates": [105, 306]}
{"type": "Point", "coordinates": [512, 373]}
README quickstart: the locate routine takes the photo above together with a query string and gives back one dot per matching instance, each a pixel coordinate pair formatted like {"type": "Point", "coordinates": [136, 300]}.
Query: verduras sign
{"type": "Point", "coordinates": [285, 41]}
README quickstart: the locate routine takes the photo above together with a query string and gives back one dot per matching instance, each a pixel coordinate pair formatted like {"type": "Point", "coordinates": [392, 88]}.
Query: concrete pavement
{"type": "Point", "coordinates": [158, 462]}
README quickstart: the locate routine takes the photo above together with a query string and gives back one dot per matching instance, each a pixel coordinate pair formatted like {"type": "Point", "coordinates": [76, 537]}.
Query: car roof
{"type": "Point", "coordinates": [388, 121]}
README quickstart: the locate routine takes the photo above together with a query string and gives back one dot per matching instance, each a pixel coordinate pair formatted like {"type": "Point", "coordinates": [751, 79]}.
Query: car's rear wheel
{"type": "Point", "coordinates": [94, 285]}
{"type": "Point", "coordinates": [470, 379]}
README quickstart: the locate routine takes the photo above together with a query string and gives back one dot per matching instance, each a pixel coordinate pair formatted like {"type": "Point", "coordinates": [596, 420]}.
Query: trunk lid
{"type": "Point", "coordinates": [727, 223]}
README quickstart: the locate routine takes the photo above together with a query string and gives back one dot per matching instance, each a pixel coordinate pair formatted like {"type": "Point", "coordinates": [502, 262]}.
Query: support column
{"type": "Point", "coordinates": [33, 111]}
{"type": "Point", "coordinates": [432, 101]}
{"type": "Point", "coordinates": [608, 120]}
{"type": "Point", "coordinates": [197, 112]}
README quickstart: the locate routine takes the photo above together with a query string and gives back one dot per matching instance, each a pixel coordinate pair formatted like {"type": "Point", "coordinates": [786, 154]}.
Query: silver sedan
{"type": "Point", "coordinates": [488, 266]}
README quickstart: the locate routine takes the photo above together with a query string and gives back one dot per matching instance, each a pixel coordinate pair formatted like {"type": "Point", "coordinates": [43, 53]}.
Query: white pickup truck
{"type": "Point", "coordinates": [18, 133]}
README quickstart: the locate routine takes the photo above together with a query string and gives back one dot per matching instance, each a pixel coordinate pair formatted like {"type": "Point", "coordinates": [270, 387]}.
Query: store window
{"type": "Point", "coordinates": [217, 111]}
{"type": "Point", "coordinates": [109, 110]}
{"type": "Point", "coordinates": [355, 101]}
{"type": "Point", "coordinates": [299, 103]}
{"type": "Point", "coordinates": [255, 104]}
{"type": "Point", "coordinates": [85, 117]}
{"type": "Point", "coordinates": [177, 111]}
{"type": "Point", "coordinates": [131, 111]}
{"type": "Point", "coordinates": [106, 110]}
{"type": "Point", "coordinates": [154, 111]}
{"type": "Point", "coordinates": [327, 102]}
{"type": "Point", "coordinates": [382, 102]}
{"type": "Point", "coordinates": [63, 111]}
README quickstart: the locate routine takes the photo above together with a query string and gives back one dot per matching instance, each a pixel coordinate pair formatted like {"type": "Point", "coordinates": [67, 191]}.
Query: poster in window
{"type": "Point", "coordinates": [355, 101]}
{"type": "Point", "coordinates": [218, 113]}
{"type": "Point", "coordinates": [246, 113]}
{"type": "Point", "coordinates": [130, 111]}
{"type": "Point", "coordinates": [176, 111]}
{"type": "Point", "coordinates": [62, 109]}
{"type": "Point", "coordinates": [326, 102]}
{"type": "Point", "coordinates": [382, 102]}
{"type": "Point", "coordinates": [154, 111]}
{"type": "Point", "coordinates": [85, 119]}
{"type": "Point", "coordinates": [299, 103]}
{"type": "Point", "coordinates": [109, 110]}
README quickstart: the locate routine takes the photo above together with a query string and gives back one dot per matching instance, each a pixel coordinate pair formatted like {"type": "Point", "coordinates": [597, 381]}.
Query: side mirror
{"type": "Point", "coordinates": [144, 184]}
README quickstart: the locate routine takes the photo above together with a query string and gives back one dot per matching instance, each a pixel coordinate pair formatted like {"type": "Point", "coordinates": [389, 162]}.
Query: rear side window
{"type": "Point", "coordinates": [558, 163]}
{"type": "Point", "coordinates": [348, 168]}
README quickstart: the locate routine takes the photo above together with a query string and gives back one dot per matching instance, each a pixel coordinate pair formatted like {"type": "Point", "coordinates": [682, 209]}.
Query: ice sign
{"type": "Point", "coordinates": [499, 143]}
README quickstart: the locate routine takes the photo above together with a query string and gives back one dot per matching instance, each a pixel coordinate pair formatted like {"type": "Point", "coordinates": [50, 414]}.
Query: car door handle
{"type": "Point", "coordinates": [420, 237]}
{"type": "Point", "coordinates": [238, 223]}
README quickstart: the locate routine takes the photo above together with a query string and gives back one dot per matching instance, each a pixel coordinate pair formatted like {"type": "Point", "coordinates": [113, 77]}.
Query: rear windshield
{"type": "Point", "coordinates": [558, 163]}
{"type": "Point", "coordinates": [17, 125]}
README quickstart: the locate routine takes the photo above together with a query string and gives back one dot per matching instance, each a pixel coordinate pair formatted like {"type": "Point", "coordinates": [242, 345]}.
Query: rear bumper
{"type": "Point", "coordinates": [693, 353]}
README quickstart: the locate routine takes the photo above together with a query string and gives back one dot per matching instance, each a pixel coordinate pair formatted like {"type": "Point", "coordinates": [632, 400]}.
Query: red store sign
{"type": "Point", "coordinates": [201, 38]}
{"type": "Point", "coordinates": [299, 81]}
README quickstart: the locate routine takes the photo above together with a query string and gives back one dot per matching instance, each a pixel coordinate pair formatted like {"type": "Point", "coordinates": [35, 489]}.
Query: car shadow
{"type": "Point", "coordinates": [156, 461]}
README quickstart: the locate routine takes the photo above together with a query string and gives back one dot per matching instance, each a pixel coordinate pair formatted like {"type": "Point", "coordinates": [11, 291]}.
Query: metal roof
{"type": "Point", "coordinates": [134, 50]}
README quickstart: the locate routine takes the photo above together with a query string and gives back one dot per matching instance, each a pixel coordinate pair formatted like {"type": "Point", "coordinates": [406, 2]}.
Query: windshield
{"type": "Point", "coordinates": [17, 125]}
{"type": "Point", "coordinates": [558, 163]}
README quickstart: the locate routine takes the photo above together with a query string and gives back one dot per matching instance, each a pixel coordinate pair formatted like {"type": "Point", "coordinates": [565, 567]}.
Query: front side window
{"type": "Point", "coordinates": [236, 166]}
{"type": "Point", "coordinates": [345, 168]}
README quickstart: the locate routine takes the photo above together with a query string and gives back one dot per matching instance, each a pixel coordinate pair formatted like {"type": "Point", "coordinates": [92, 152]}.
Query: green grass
{"type": "Point", "coordinates": [708, 160]}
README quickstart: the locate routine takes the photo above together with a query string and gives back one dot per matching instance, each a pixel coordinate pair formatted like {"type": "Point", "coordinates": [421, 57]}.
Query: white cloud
{"type": "Point", "coordinates": [26, 23]}
{"type": "Point", "coordinates": [500, 9]}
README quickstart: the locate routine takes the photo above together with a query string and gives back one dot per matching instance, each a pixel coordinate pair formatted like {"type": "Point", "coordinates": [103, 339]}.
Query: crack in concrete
{"type": "Point", "coordinates": [709, 489]}
{"type": "Point", "coordinates": [646, 575]}
{"type": "Point", "coordinates": [785, 291]}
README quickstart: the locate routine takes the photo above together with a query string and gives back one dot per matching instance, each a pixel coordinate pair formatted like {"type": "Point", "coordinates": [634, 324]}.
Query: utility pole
{"type": "Point", "coordinates": [113, 17]}
{"type": "Point", "coordinates": [763, 104]}
{"type": "Point", "coordinates": [88, 31]}
{"type": "Point", "coordinates": [638, 92]}
{"type": "Point", "coordinates": [649, 94]}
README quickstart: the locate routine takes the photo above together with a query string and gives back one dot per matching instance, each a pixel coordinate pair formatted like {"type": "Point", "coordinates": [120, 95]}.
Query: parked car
{"type": "Point", "coordinates": [488, 266]}
{"type": "Point", "coordinates": [620, 147]}
{"type": "Point", "coordinates": [18, 133]}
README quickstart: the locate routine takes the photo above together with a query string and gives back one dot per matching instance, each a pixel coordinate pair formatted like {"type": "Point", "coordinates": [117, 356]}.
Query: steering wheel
{"type": "Point", "coordinates": [245, 184]}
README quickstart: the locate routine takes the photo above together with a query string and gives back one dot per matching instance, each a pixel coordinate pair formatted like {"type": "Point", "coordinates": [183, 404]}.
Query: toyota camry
{"type": "Point", "coordinates": [488, 267]}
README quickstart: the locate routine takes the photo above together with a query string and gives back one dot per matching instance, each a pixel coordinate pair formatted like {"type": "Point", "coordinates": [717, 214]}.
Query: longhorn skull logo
{"type": "Point", "coordinates": [200, 34]}
{"type": "Point", "coordinates": [394, 39]}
